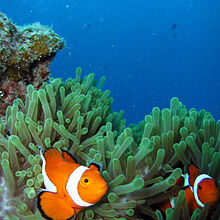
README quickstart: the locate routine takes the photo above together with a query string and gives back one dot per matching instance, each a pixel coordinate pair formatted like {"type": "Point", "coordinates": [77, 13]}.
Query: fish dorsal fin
{"type": "Point", "coordinates": [69, 157]}
{"type": "Point", "coordinates": [180, 181]}
{"type": "Point", "coordinates": [193, 173]}
{"type": "Point", "coordinates": [95, 166]}
{"type": "Point", "coordinates": [52, 154]}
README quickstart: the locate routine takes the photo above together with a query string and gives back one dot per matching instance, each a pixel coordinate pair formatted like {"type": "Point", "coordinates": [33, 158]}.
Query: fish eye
{"type": "Point", "coordinates": [86, 180]}
{"type": "Point", "coordinates": [199, 187]}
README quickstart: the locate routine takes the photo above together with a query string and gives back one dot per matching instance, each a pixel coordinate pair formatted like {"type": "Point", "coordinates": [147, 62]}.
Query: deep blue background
{"type": "Point", "coordinates": [133, 44]}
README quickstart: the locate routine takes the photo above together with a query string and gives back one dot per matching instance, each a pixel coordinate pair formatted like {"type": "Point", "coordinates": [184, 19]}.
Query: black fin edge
{"type": "Point", "coordinates": [41, 210]}
{"type": "Point", "coordinates": [76, 160]}
{"type": "Point", "coordinates": [97, 165]}
{"type": "Point", "coordinates": [39, 206]}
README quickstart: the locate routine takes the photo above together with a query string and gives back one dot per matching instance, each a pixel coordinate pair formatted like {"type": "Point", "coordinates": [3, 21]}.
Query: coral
{"type": "Point", "coordinates": [25, 56]}
{"type": "Point", "coordinates": [141, 163]}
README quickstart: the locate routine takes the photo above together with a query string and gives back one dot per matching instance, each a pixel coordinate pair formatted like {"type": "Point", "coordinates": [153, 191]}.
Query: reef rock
{"type": "Point", "coordinates": [25, 56]}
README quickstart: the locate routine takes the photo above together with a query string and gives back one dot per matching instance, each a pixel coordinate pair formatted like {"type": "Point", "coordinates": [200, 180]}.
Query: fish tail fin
{"type": "Point", "coordinates": [54, 207]}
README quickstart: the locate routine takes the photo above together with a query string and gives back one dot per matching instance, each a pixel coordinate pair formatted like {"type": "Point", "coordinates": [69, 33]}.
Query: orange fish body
{"type": "Point", "coordinates": [199, 189]}
{"type": "Point", "coordinates": [70, 187]}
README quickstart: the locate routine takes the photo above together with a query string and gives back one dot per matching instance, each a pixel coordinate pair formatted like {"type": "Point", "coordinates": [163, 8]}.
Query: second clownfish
{"type": "Point", "coordinates": [70, 187]}
{"type": "Point", "coordinates": [199, 189]}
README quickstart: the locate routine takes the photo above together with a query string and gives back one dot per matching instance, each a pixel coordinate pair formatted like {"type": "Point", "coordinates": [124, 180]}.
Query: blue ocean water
{"type": "Point", "coordinates": [149, 50]}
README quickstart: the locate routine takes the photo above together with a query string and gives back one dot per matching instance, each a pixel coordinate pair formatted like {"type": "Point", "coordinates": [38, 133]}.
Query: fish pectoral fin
{"type": "Point", "coordinates": [52, 154]}
{"type": "Point", "coordinates": [53, 206]}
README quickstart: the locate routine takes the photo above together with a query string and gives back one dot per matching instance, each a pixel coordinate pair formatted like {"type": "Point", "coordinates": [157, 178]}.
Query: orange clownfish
{"type": "Point", "coordinates": [70, 187]}
{"type": "Point", "coordinates": [199, 189]}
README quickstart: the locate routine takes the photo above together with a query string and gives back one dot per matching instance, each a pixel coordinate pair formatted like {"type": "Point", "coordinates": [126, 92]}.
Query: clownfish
{"type": "Point", "coordinates": [70, 187]}
{"type": "Point", "coordinates": [199, 189]}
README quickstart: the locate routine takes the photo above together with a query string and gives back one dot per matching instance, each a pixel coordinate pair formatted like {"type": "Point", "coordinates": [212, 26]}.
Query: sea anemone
{"type": "Point", "coordinates": [140, 163]}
